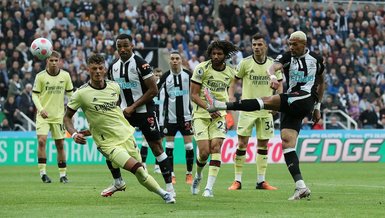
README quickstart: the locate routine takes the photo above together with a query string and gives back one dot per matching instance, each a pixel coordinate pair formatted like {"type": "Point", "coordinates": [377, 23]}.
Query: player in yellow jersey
{"type": "Point", "coordinates": [112, 133]}
{"type": "Point", "coordinates": [255, 84]}
{"type": "Point", "coordinates": [210, 128]}
{"type": "Point", "coordinates": [50, 87]}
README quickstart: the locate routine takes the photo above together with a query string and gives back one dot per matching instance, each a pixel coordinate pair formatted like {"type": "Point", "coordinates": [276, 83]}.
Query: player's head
{"type": "Point", "coordinates": [175, 61]}
{"type": "Point", "coordinates": [96, 67]}
{"type": "Point", "coordinates": [297, 43]}
{"type": "Point", "coordinates": [158, 73]}
{"type": "Point", "coordinates": [219, 51]}
{"type": "Point", "coordinates": [53, 61]}
{"type": "Point", "coordinates": [259, 45]}
{"type": "Point", "coordinates": [124, 46]}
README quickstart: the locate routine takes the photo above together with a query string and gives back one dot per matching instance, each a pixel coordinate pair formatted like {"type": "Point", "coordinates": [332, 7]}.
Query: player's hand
{"type": "Point", "coordinates": [44, 114]}
{"type": "Point", "coordinates": [215, 114]}
{"type": "Point", "coordinates": [273, 112]}
{"type": "Point", "coordinates": [316, 116]}
{"type": "Point", "coordinates": [80, 139]}
{"type": "Point", "coordinates": [128, 111]}
{"type": "Point", "coordinates": [85, 132]}
{"type": "Point", "coordinates": [274, 84]}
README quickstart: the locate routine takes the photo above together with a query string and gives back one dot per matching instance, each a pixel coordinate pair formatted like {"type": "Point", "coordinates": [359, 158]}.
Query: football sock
{"type": "Point", "coordinates": [170, 155]}
{"type": "Point", "coordinates": [164, 166]}
{"type": "Point", "coordinates": [42, 164]}
{"type": "Point", "coordinates": [214, 166]}
{"type": "Point", "coordinates": [189, 156]}
{"type": "Point", "coordinates": [114, 171]}
{"type": "Point", "coordinates": [261, 161]}
{"type": "Point", "coordinates": [62, 168]}
{"type": "Point", "coordinates": [246, 105]}
{"type": "Point", "coordinates": [292, 163]}
{"type": "Point", "coordinates": [200, 165]}
{"type": "Point", "coordinates": [239, 160]}
{"type": "Point", "coordinates": [148, 181]}
{"type": "Point", "coordinates": [144, 151]}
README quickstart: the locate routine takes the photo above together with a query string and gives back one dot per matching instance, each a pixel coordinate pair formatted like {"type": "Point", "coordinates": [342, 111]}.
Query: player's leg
{"type": "Point", "coordinates": [144, 151]}
{"type": "Point", "coordinates": [187, 132]}
{"type": "Point", "coordinates": [201, 127]}
{"type": "Point", "coordinates": [245, 127]}
{"type": "Point", "coordinates": [239, 160]}
{"type": "Point", "coordinates": [42, 133]}
{"type": "Point", "coordinates": [265, 131]}
{"type": "Point", "coordinates": [170, 155]}
{"type": "Point", "coordinates": [118, 184]}
{"type": "Point", "coordinates": [58, 134]}
{"type": "Point", "coordinates": [217, 132]}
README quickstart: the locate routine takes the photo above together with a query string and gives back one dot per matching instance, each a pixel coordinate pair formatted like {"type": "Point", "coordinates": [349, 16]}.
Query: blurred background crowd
{"type": "Point", "coordinates": [348, 34]}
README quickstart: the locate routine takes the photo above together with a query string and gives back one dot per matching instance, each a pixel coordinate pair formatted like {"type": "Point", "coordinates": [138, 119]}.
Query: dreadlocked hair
{"type": "Point", "coordinates": [227, 47]}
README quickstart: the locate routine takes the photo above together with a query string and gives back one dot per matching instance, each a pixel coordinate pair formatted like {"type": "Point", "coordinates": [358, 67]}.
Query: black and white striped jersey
{"type": "Point", "coordinates": [300, 72]}
{"type": "Point", "coordinates": [159, 102]}
{"type": "Point", "coordinates": [130, 76]}
{"type": "Point", "coordinates": [177, 104]}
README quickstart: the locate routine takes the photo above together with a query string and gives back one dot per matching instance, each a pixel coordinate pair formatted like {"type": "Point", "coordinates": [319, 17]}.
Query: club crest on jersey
{"type": "Point", "coordinates": [151, 121]}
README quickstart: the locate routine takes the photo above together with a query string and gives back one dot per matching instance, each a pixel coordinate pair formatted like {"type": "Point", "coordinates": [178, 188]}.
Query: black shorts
{"type": "Point", "coordinates": [185, 128]}
{"type": "Point", "coordinates": [148, 124]}
{"type": "Point", "coordinates": [294, 107]}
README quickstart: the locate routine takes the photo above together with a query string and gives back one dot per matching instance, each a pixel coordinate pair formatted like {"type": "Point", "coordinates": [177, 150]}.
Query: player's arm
{"type": "Point", "coordinates": [320, 79]}
{"type": "Point", "coordinates": [67, 120]}
{"type": "Point", "coordinates": [232, 88]}
{"type": "Point", "coordinates": [271, 73]}
{"type": "Point", "coordinates": [195, 89]}
{"type": "Point", "coordinates": [39, 107]}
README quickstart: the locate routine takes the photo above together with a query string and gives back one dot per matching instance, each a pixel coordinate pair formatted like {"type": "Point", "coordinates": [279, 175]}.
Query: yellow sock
{"type": "Point", "coordinates": [63, 171]}
{"type": "Point", "coordinates": [42, 168]}
{"type": "Point", "coordinates": [148, 181]}
{"type": "Point", "coordinates": [215, 165]}
{"type": "Point", "coordinates": [239, 160]}
{"type": "Point", "coordinates": [261, 166]}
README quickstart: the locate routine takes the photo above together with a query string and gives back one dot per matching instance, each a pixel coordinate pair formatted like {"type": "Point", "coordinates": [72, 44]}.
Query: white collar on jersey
{"type": "Point", "coordinates": [306, 52]}
{"type": "Point", "coordinates": [132, 57]}
{"type": "Point", "coordinates": [181, 70]}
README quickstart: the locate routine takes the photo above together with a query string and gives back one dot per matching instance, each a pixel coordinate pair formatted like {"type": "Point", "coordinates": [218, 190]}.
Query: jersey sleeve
{"type": "Point", "coordinates": [144, 68]}
{"type": "Point", "coordinates": [284, 59]}
{"type": "Point", "coordinates": [74, 102]}
{"type": "Point", "coordinates": [198, 73]}
{"type": "Point", "coordinates": [69, 85]}
{"type": "Point", "coordinates": [240, 70]}
{"type": "Point", "coordinates": [37, 84]}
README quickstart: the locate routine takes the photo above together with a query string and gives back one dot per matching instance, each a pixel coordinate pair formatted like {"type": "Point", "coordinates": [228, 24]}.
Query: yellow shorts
{"type": "Point", "coordinates": [120, 153]}
{"type": "Point", "coordinates": [264, 125]}
{"type": "Point", "coordinates": [57, 129]}
{"type": "Point", "coordinates": [207, 128]}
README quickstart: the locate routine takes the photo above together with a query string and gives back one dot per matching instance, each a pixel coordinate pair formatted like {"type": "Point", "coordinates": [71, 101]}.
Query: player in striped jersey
{"type": "Point", "coordinates": [304, 73]}
{"type": "Point", "coordinates": [175, 84]}
{"type": "Point", "coordinates": [255, 84]}
{"type": "Point", "coordinates": [135, 78]}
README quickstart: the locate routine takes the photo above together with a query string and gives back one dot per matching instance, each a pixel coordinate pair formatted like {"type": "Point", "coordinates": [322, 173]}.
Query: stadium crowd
{"type": "Point", "coordinates": [349, 37]}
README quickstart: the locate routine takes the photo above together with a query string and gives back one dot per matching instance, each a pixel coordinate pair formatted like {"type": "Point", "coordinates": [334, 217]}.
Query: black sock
{"type": "Point", "coordinates": [164, 166]}
{"type": "Point", "coordinates": [244, 105]}
{"type": "Point", "coordinates": [170, 156]}
{"type": "Point", "coordinates": [114, 171]}
{"type": "Point", "coordinates": [292, 163]}
{"type": "Point", "coordinates": [189, 160]}
{"type": "Point", "coordinates": [143, 153]}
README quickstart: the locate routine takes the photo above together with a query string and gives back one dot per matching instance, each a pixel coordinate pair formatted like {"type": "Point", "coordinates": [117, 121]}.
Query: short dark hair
{"type": "Point", "coordinates": [95, 59]}
{"type": "Point", "coordinates": [227, 47]}
{"type": "Point", "coordinates": [258, 36]}
{"type": "Point", "coordinates": [124, 36]}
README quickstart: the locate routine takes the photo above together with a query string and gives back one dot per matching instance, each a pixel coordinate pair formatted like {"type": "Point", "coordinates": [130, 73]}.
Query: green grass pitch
{"type": "Point", "coordinates": [338, 190]}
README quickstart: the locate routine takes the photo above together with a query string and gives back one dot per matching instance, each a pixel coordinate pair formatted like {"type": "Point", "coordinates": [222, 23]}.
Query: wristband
{"type": "Point", "coordinates": [317, 106]}
{"type": "Point", "coordinates": [272, 77]}
{"type": "Point", "coordinates": [73, 134]}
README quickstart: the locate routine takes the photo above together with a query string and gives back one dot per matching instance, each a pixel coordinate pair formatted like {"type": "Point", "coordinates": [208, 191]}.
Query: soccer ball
{"type": "Point", "coordinates": [41, 48]}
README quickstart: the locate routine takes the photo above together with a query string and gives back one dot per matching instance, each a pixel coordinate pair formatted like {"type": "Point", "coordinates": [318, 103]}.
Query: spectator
{"type": "Point", "coordinates": [15, 86]}
{"type": "Point", "coordinates": [333, 124]}
{"type": "Point", "coordinates": [11, 112]}
{"type": "Point", "coordinates": [305, 124]}
{"type": "Point", "coordinates": [25, 103]}
{"type": "Point", "coordinates": [368, 118]}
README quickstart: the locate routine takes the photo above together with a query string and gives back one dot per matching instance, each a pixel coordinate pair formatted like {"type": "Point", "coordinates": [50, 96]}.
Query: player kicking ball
{"type": "Point", "coordinates": [111, 132]}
